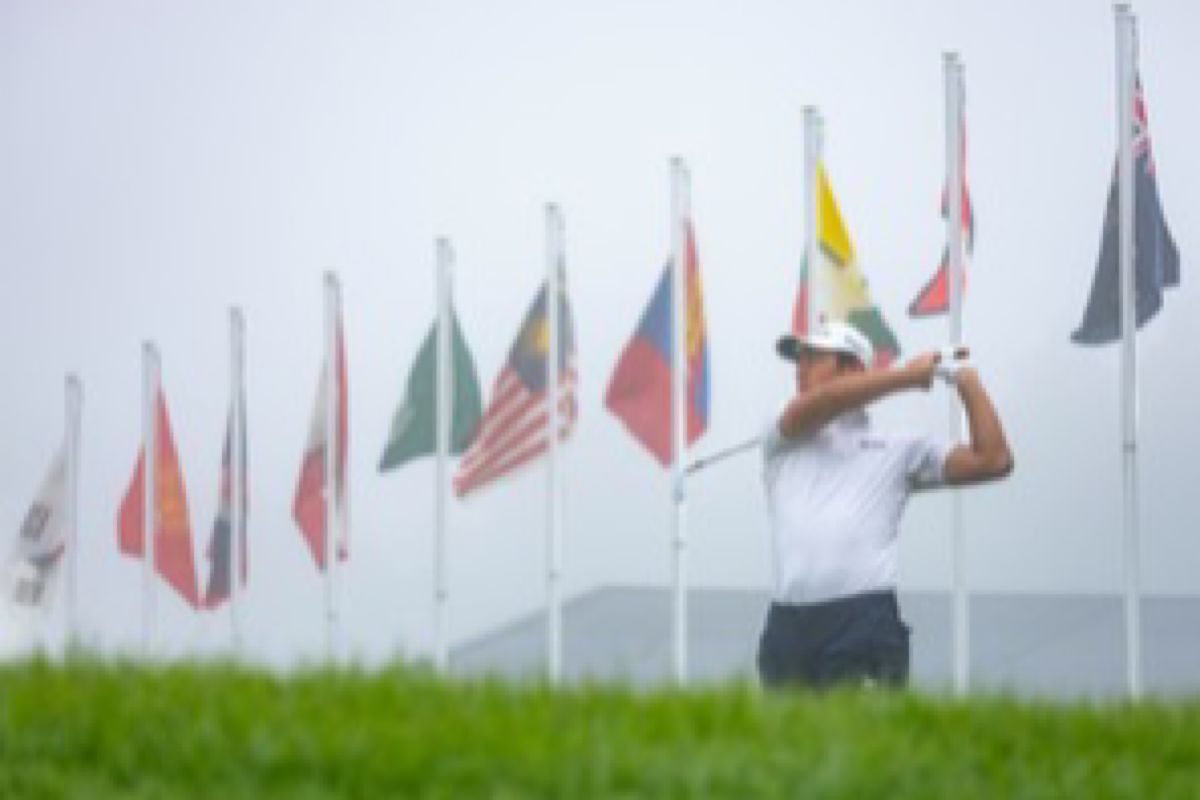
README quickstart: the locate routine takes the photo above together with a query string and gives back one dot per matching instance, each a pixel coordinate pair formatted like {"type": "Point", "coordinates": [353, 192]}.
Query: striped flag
{"type": "Point", "coordinates": [513, 430]}
{"type": "Point", "coordinates": [843, 294]}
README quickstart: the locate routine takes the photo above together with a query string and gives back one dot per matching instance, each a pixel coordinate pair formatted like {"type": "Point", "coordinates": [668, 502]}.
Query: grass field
{"type": "Point", "coordinates": [93, 729]}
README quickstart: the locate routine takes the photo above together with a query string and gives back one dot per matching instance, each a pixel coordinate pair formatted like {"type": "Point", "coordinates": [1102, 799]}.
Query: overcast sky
{"type": "Point", "coordinates": [162, 161]}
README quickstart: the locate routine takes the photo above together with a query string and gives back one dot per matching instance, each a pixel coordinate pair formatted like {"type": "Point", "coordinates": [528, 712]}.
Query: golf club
{"type": "Point", "coordinates": [958, 355]}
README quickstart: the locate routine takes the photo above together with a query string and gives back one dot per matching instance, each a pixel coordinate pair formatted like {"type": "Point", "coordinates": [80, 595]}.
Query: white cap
{"type": "Point", "coordinates": [830, 337]}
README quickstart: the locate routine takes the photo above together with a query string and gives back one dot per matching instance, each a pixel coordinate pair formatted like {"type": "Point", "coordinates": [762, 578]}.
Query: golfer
{"type": "Point", "coordinates": [836, 487]}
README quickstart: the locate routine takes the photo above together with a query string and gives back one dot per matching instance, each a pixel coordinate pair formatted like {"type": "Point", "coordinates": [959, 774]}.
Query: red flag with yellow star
{"type": "Point", "coordinates": [172, 533]}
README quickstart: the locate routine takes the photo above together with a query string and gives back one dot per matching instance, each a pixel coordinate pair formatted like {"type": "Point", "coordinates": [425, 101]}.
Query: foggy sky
{"type": "Point", "coordinates": [162, 161]}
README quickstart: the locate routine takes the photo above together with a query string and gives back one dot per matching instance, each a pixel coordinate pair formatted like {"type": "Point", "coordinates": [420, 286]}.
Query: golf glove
{"type": "Point", "coordinates": [951, 361]}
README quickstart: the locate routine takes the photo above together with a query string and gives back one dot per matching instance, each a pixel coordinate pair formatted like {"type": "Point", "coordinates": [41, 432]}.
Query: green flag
{"type": "Point", "coordinates": [412, 434]}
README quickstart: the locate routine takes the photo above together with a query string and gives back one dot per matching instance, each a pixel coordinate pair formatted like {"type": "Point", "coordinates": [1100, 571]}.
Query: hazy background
{"type": "Point", "coordinates": [162, 161]}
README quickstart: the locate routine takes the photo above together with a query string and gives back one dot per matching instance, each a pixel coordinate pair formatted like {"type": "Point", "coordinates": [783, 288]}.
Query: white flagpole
{"type": "Point", "coordinates": [444, 258]}
{"type": "Point", "coordinates": [554, 262]}
{"type": "Point", "coordinates": [332, 398]}
{"type": "Point", "coordinates": [953, 72]}
{"type": "Point", "coordinates": [680, 214]}
{"type": "Point", "coordinates": [237, 522]}
{"type": "Point", "coordinates": [150, 379]}
{"type": "Point", "coordinates": [1126, 70]}
{"type": "Point", "coordinates": [343, 508]}
{"type": "Point", "coordinates": [74, 413]}
{"type": "Point", "coordinates": [813, 144]}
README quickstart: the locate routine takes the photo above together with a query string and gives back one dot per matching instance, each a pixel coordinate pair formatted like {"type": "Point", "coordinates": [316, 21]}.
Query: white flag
{"type": "Point", "coordinates": [32, 568]}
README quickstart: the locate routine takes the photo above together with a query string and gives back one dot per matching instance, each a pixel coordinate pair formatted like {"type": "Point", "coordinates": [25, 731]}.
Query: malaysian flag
{"type": "Point", "coordinates": [513, 429]}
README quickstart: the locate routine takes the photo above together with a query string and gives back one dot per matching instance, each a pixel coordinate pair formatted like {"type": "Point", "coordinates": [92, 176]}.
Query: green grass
{"type": "Point", "coordinates": [92, 729]}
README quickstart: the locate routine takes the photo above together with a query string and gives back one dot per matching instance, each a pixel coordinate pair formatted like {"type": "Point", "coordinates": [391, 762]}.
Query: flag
{"type": "Point", "coordinates": [413, 432]}
{"type": "Point", "coordinates": [172, 531]}
{"type": "Point", "coordinates": [34, 563]}
{"type": "Point", "coordinates": [513, 430]}
{"type": "Point", "coordinates": [639, 393]}
{"type": "Point", "coordinates": [848, 299]}
{"type": "Point", "coordinates": [934, 299]}
{"type": "Point", "coordinates": [1156, 259]}
{"type": "Point", "coordinates": [220, 550]}
{"type": "Point", "coordinates": [308, 509]}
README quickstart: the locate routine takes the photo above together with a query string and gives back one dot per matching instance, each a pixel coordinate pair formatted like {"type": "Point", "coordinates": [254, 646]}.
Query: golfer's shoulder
{"type": "Point", "coordinates": [775, 441]}
{"type": "Point", "coordinates": [779, 442]}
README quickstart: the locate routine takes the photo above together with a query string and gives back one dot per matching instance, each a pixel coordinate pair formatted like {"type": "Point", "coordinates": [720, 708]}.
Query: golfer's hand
{"type": "Point", "coordinates": [921, 370]}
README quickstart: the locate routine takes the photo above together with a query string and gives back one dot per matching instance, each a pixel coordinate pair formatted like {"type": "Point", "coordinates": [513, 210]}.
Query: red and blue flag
{"type": "Point", "coordinates": [639, 393]}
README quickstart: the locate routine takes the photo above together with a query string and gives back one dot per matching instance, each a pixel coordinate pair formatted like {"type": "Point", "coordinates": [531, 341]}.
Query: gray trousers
{"type": "Point", "coordinates": [854, 640]}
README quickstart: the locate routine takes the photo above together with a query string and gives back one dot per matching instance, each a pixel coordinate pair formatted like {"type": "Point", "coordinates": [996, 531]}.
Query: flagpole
{"type": "Point", "coordinates": [554, 263]}
{"type": "Point", "coordinates": [333, 397]}
{"type": "Point", "coordinates": [1126, 25]}
{"type": "Point", "coordinates": [150, 390]}
{"type": "Point", "coordinates": [679, 221]}
{"type": "Point", "coordinates": [74, 414]}
{"type": "Point", "coordinates": [813, 144]}
{"type": "Point", "coordinates": [953, 73]}
{"type": "Point", "coordinates": [237, 455]}
{"type": "Point", "coordinates": [444, 266]}
{"type": "Point", "coordinates": [342, 545]}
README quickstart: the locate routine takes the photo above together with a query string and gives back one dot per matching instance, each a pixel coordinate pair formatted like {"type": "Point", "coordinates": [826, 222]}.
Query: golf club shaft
{"type": "Point", "coordinates": [719, 456]}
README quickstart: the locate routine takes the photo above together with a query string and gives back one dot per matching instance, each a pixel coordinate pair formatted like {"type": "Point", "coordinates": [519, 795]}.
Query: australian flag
{"type": "Point", "coordinates": [1156, 260]}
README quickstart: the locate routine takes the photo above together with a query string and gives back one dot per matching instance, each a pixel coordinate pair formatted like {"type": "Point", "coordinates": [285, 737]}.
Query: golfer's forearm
{"type": "Point", "coordinates": [987, 434]}
{"type": "Point", "coordinates": [860, 389]}
{"type": "Point", "coordinates": [812, 411]}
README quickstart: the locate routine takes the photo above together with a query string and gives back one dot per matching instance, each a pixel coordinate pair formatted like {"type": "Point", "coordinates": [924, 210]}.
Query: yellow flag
{"type": "Point", "coordinates": [844, 294]}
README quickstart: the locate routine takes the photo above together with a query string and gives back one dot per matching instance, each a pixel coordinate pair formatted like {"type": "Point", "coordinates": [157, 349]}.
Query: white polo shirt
{"type": "Point", "coordinates": [835, 499]}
